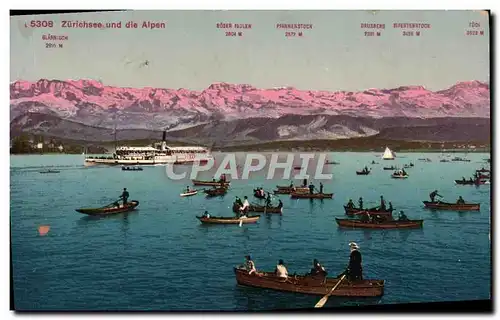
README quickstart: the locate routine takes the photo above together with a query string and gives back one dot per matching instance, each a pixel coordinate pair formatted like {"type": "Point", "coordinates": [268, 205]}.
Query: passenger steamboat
{"type": "Point", "coordinates": [157, 154]}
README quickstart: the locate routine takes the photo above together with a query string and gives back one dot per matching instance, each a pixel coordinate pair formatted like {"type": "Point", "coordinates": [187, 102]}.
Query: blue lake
{"type": "Point", "coordinates": [161, 258]}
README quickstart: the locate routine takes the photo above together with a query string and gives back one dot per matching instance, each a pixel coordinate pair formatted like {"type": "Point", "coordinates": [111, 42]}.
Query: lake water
{"type": "Point", "coordinates": [161, 258]}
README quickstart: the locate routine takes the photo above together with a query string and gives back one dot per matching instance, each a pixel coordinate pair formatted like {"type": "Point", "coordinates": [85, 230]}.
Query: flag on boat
{"type": "Point", "coordinates": [388, 154]}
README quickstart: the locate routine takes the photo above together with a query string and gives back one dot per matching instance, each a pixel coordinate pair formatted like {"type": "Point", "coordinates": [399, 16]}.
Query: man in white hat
{"type": "Point", "coordinates": [354, 270]}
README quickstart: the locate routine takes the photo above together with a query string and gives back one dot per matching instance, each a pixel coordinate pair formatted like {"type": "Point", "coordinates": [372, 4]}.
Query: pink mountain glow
{"type": "Point", "coordinates": [81, 99]}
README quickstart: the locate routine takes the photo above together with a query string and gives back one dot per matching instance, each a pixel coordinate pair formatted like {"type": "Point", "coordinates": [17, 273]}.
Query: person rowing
{"type": "Point", "coordinates": [321, 187]}
{"type": "Point", "coordinates": [390, 207]}
{"type": "Point", "coordinates": [268, 200]}
{"type": "Point", "coordinates": [291, 184]}
{"type": "Point", "coordinates": [206, 214]}
{"type": "Point", "coordinates": [382, 204]}
{"type": "Point", "coordinates": [460, 200]}
{"type": "Point", "coordinates": [354, 270]}
{"type": "Point", "coordinates": [305, 183]}
{"type": "Point", "coordinates": [280, 204]}
{"type": "Point", "coordinates": [311, 188]}
{"type": "Point", "coordinates": [433, 195]}
{"type": "Point", "coordinates": [360, 203]}
{"type": "Point", "coordinates": [365, 169]}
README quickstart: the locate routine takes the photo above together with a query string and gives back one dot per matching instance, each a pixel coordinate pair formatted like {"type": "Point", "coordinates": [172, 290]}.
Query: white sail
{"type": "Point", "coordinates": [388, 154]}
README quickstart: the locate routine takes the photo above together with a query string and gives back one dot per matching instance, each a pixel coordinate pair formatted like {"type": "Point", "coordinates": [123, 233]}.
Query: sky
{"type": "Point", "coordinates": [192, 53]}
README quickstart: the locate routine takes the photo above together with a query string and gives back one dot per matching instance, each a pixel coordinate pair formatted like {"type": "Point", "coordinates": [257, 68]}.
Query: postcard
{"type": "Point", "coordinates": [250, 160]}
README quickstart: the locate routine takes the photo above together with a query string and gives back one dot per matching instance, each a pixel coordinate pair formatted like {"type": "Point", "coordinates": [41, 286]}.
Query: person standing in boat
{"type": "Point", "coordinates": [250, 265]}
{"type": "Point", "coordinates": [187, 189]}
{"type": "Point", "coordinates": [365, 169]}
{"type": "Point", "coordinates": [390, 207]}
{"type": "Point", "coordinates": [280, 204]}
{"type": "Point", "coordinates": [433, 195]}
{"type": "Point", "coordinates": [382, 204]}
{"type": "Point", "coordinates": [291, 184]}
{"type": "Point", "coordinates": [360, 203]}
{"type": "Point", "coordinates": [403, 172]}
{"type": "Point", "coordinates": [268, 200]}
{"type": "Point", "coordinates": [318, 269]}
{"type": "Point", "coordinates": [305, 182]}
{"type": "Point", "coordinates": [460, 200]}
{"type": "Point", "coordinates": [281, 270]}
{"type": "Point", "coordinates": [350, 204]}
{"type": "Point", "coordinates": [125, 195]}
{"type": "Point", "coordinates": [311, 188]}
{"type": "Point", "coordinates": [354, 270]}
{"type": "Point", "coordinates": [206, 214]}
{"type": "Point", "coordinates": [321, 187]}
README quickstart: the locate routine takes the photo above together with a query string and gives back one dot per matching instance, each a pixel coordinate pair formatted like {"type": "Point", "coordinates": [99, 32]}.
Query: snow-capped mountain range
{"type": "Point", "coordinates": [91, 103]}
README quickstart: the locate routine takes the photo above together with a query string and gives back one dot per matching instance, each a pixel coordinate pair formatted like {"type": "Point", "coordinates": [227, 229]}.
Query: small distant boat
{"type": "Point", "coordinates": [482, 170]}
{"type": "Point", "coordinates": [311, 195]}
{"type": "Point", "coordinates": [189, 194]}
{"type": "Point", "coordinates": [398, 176]}
{"type": "Point", "coordinates": [228, 220]}
{"type": "Point", "coordinates": [408, 166]}
{"type": "Point", "coordinates": [452, 206]}
{"type": "Point", "coordinates": [211, 183]}
{"type": "Point", "coordinates": [110, 209]}
{"type": "Point", "coordinates": [444, 160]}
{"type": "Point", "coordinates": [425, 159]}
{"type": "Point", "coordinates": [388, 224]}
{"type": "Point", "coordinates": [50, 171]}
{"type": "Point", "coordinates": [361, 173]}
{"type": "Point", "coordinates": [473, 182]}
{"type": "Point", "coordinates": [131, 169]}
{"type": "Point", "coordinates": [388, 154]}
{"type": "Point", "coordinates": [256, 208]}
{"type": "Point", "coordinates": [332, 162]}
{"type": "Point", "coordinates": [460, 159]}
{"type": "Point", "coordinates": [390, 168]}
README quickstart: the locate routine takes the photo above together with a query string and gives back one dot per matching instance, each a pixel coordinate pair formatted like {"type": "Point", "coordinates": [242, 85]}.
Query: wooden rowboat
{"type": "Point", "coordinates": [211, 183]}
{"type": "Point", "coordinates": [109, 210]}
{"type": "Point", "coordinates": [390, 168]}
{"type": "Point", "coordinates": [452, 206]}
{"type": "Point", "coordinates": [388, 224]}
{"type": "Point", "coordinates": [358, 211]}
{"type": "Point", "coordinates": [397, 176]}
{"type": "Point", "coordinates": [228, 220]}
{"type": "Point", "coordinates": [215, 192]}
{"type": "Point", "coordinates": [311, 195]}
{"type": "Point", "coordinates": [50, 171]}
{"type": "Point", "coordinates": [256, 208]}
{"type": "Point", "coordinates": [363, 173]}
{"type": "Point", "coordinates": [310, 285]}
{"type": "Point", "coordinates": [288, 190]}
{"type": "Point", "coordinates": [190, 193]}
{"type": "Point", "coordinates": [468, 182]}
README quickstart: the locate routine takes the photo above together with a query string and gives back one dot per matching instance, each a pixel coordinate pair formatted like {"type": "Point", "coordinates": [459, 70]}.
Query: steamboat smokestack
{"type": "Point", "coordinates": [164, 136]}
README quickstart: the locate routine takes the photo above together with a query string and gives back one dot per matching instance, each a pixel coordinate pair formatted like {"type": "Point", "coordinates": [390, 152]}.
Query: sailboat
{"type": "Point", "coordinates": [388, 154]}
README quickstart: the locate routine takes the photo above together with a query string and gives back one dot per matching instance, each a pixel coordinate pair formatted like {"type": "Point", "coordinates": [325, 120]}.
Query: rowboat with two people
{"type": "Point", "coordinates": [473, 182]}
{"type": "Point", "coordinates": [439, 205]}
{"type": "Point", "coordinates": [215, 192]}
{"type": "Point", "coordinates": [289, 189]}
{"type": "Point", "coordinates": [313, 283]}
{"type": "Point", "coordinates": [365, 171]}
{"type": "Point", "coordinates": [266, 209]}
{"type": "Point", "coordinates": [189, 192]}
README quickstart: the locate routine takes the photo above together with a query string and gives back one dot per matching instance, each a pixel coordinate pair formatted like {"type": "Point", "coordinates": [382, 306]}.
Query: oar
{"type": "Point", "coordinates": [323, 300]}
